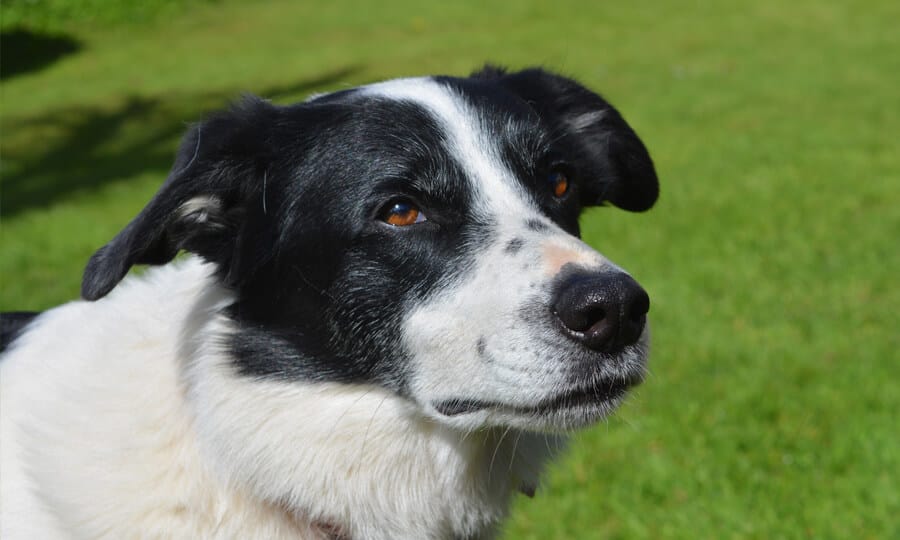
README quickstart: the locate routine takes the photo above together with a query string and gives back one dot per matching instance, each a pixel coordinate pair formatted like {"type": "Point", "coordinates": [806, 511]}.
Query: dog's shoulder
{"type": "Point", "coordinates": [155, 301]}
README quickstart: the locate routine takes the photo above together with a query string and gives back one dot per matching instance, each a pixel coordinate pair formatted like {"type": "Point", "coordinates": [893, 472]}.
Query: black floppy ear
{"type": "Point", "coordinates": [612, 160]}
{"type": "Point", "coordinates": [199, 207]}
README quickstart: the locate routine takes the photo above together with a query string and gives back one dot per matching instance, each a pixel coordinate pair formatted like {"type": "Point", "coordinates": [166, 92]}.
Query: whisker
{"type": "Point", "coordinates": [496, 449]}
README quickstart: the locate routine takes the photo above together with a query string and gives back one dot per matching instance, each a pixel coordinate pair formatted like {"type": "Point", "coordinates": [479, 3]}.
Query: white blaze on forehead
{"type": "Point", "coordinates": [475, 150]}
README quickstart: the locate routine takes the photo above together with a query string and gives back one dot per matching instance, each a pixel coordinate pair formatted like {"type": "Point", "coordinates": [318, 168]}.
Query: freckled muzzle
{"type": "Point", "coordinates": [604, 311]}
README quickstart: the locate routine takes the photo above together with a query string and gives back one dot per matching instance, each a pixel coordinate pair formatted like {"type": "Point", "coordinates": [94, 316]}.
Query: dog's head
{"type": "Point", "coordinates": [417, 234]}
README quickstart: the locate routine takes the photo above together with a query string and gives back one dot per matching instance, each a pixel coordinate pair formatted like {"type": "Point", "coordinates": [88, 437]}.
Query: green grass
{"type": "Point", "coordinates": [771, 258]}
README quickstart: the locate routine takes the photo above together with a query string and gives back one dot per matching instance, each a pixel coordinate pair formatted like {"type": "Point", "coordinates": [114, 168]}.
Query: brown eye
{"type": "Point", "coordinates": [559, 183]}
{"type": "Point", "coordinates": [401, 214]}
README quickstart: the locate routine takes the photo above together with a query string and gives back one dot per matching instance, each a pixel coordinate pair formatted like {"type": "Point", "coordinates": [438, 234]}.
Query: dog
{"type": "Point", "coordinates": [367, 315]}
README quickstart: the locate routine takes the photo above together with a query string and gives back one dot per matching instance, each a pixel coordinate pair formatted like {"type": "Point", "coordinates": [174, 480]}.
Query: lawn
{"type": "Point", "coordinates": [771, 258]}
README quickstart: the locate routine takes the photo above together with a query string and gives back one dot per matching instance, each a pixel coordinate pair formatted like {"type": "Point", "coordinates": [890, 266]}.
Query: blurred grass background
{"type": "Point", "coordinates": [771, 258]}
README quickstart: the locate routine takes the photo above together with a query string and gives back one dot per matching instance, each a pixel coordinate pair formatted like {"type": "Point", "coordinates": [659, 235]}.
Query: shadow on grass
{"type": "Point", "coordinates": [57, 154]}
{"type": "Point", "coordinates": [23, 51]}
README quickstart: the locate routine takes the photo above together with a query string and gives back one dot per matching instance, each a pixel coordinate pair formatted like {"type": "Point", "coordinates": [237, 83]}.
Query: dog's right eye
{"type": "Point", "coordinates": [401, 213]}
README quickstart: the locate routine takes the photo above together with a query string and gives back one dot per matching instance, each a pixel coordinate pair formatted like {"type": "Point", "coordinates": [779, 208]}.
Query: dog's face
{"type": "Point", "coordinates": [420, 235]}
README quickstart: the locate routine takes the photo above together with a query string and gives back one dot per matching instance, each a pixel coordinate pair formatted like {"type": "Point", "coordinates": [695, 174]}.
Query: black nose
{"type": "Point", "coordinates": [604, 311]}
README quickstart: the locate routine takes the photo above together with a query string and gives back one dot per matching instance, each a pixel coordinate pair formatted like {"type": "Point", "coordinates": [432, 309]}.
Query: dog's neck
{"type": "Point", "coordinates": [358, 460]}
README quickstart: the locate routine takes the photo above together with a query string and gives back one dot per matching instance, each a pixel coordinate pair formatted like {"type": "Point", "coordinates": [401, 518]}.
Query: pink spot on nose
{"type": "Point", "coordinates": [556, 256]}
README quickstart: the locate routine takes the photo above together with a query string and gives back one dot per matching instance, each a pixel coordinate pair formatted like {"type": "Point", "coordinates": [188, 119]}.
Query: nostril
{"type": "Point", "coordinates": [587, 318]}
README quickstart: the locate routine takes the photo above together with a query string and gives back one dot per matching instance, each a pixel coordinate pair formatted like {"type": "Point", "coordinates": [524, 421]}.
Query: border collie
{"type": "Point", "coordinates": [384, 327]}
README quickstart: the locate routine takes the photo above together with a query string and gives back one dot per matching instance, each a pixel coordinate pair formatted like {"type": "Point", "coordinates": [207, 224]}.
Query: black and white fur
{"type": "Point", "coordinates": [310, 370]}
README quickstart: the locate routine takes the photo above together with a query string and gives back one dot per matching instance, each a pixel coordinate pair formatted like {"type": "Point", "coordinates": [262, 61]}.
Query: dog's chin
{"type": "Point", "coordinates": [568, 410]}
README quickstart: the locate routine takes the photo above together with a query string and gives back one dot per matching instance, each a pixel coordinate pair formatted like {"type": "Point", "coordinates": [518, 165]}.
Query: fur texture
{"type": "Point", "coordinates": [386, 325]}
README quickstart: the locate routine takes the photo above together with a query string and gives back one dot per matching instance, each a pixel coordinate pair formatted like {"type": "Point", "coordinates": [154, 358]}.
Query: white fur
{"type": "Point", "coordinates": [122, 415]}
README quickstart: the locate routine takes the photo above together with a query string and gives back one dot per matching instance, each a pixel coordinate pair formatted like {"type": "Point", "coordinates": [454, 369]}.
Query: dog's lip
{"type": "Point", "coordinates": [602, 392]}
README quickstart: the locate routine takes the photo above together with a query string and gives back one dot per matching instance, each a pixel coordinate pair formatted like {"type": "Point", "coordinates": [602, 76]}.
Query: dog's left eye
{"type": "Point", "coordinates": [401, 213]}
{"type": "Point", "coordinates": [559, 182]}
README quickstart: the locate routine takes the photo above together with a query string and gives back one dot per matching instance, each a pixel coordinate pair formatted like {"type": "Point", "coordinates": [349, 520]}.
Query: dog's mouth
{"type": "Point", "coordinates": [601, 394]}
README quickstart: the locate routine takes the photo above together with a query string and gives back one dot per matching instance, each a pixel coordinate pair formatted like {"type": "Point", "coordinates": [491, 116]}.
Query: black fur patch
{"type": "Point", "coordinates": [481, 345]}
{"type": "Point", "coordinates": [535, 225]}
{"type": "Point", "coordinates": [514, 246]}
{"type": "Point", "coordinates": [611, 160]}
{"type": "Point", "coordinates": [12, 324]}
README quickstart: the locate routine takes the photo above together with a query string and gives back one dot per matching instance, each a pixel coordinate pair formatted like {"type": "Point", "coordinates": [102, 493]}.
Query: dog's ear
{"type": "Point", "coordinates": [612, 160]}
{"type": "Point", "coordinates": [202, 204]}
